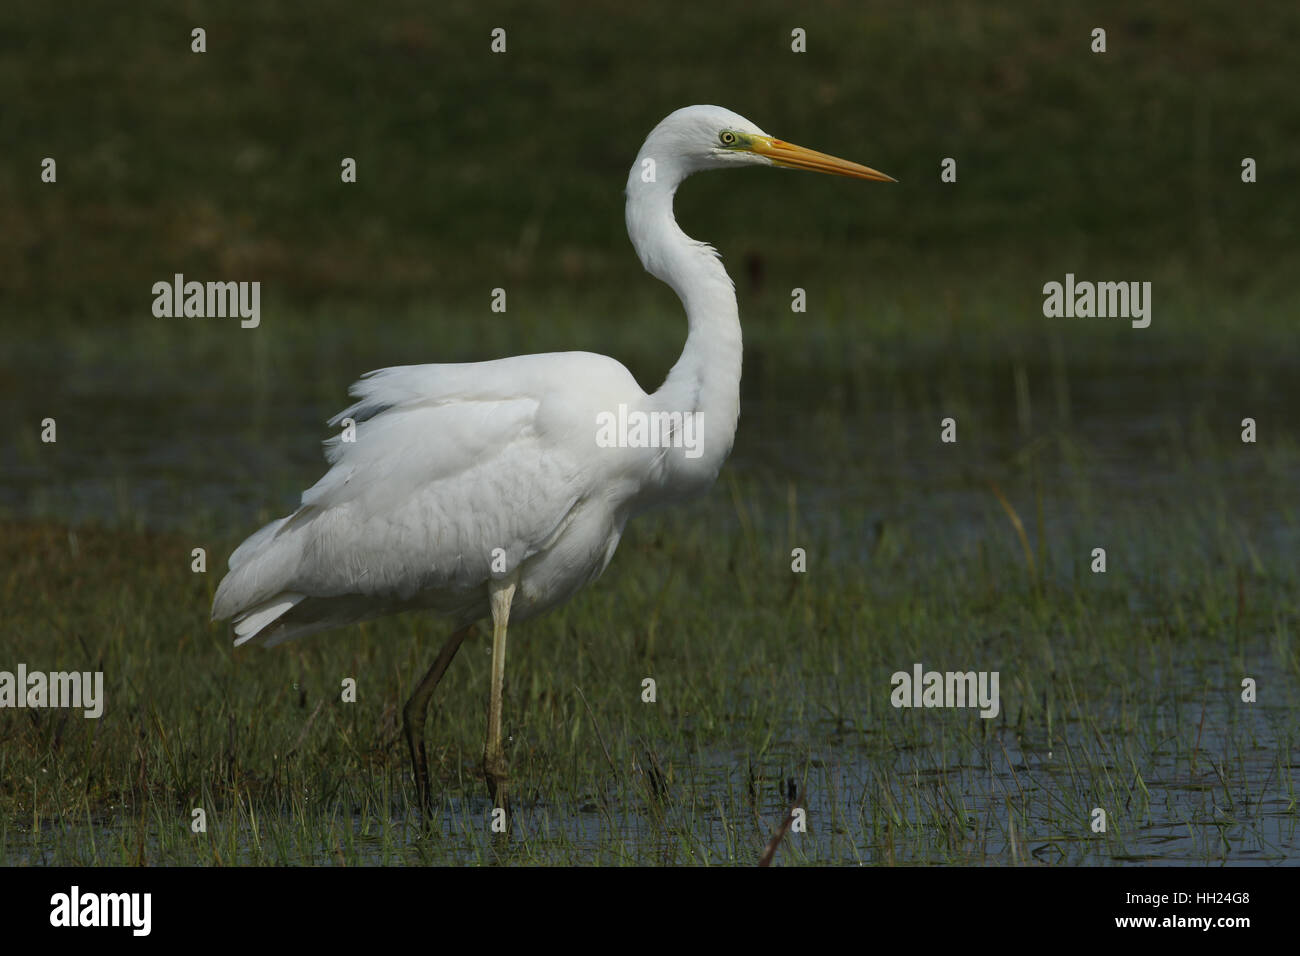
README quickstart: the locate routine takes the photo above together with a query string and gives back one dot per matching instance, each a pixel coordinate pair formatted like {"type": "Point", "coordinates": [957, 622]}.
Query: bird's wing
{"type": "Point", "coordinates": [450, 470]}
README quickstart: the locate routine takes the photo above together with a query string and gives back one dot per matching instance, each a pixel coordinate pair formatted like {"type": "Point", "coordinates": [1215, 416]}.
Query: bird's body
{"type": "Point", "coordinates": [455, 470]}
{"type": "Point", "coordinates": [483, 489]}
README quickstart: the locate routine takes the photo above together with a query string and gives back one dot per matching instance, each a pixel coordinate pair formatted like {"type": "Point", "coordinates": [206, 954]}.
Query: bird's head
{"type": "Point", "coordinates": [696, 138]}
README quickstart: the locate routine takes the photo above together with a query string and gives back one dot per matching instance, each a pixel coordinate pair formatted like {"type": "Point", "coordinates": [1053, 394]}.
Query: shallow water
{"type": "Point", "coordinates": [1012, 799]}
{"type": "Point", "coordinates": [133, 455]}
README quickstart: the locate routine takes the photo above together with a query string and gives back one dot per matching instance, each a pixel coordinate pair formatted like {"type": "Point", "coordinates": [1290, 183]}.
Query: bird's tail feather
{"type": "Point", "coordinates": [254, 542]}
{"type": "Point", "coordinates": [257, 591]}
{"type": "Point", "coordinates": [249, 624]}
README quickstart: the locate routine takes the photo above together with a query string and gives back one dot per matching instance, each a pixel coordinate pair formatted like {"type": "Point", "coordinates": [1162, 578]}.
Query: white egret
{"type": "Point", "coordinates": [484, 489]}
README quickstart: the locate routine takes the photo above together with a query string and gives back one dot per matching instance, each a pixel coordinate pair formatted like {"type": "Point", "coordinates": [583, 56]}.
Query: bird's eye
{"type": "Point", "coordinates": [727, 138]}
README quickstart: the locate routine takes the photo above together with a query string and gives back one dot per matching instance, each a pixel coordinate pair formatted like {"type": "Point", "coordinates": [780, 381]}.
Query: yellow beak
{"type": "Point", "coordinates": [798, 157]}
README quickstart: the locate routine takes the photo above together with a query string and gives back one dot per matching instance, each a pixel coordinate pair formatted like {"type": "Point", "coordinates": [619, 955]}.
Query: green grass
{"type": "Point", "coordinates": [1119, 691]}
{"type": "Point", "coordinates": [479, 171]}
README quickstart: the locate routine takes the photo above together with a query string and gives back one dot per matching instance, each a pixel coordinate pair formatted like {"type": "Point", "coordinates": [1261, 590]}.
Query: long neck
{"type": "Point", "coordinates": [706, 378]}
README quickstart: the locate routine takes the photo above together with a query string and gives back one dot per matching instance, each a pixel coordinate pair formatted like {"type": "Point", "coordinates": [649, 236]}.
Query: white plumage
{"type": "Point", "coordinates": [454, 467]}
{"type": "Point", "coordinates": [480, 489]}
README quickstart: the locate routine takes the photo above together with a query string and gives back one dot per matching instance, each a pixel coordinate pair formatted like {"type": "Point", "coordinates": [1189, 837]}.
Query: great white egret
{"type": "Point", "coordinates": [501, 488]}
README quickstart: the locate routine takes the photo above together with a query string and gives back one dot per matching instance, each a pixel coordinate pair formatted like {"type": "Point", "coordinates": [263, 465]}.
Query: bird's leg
{"type": "Point", "coordinates": [494, 760]}
{"type": "Point", "coordinates": [417, 708]}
